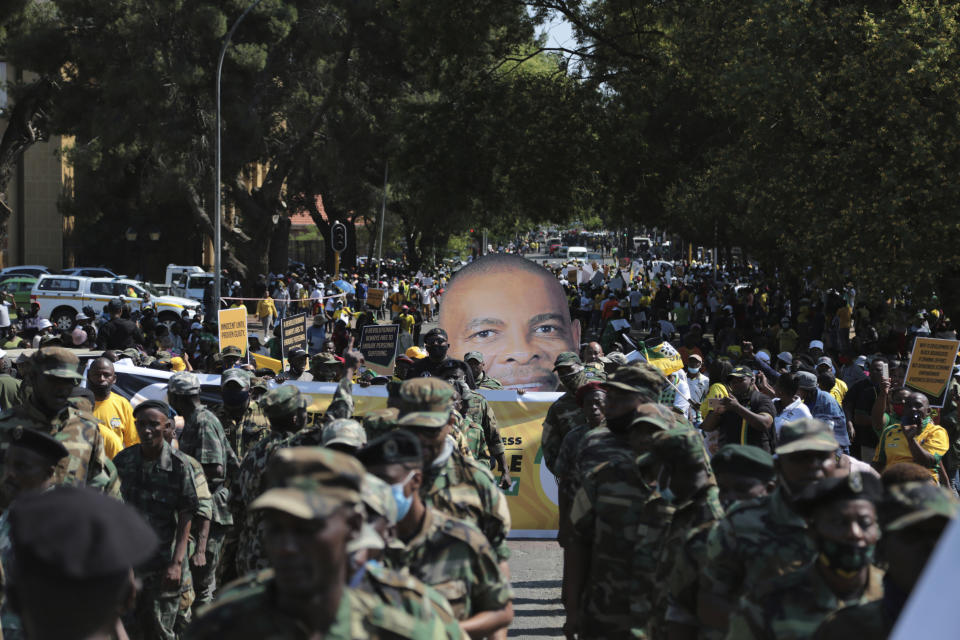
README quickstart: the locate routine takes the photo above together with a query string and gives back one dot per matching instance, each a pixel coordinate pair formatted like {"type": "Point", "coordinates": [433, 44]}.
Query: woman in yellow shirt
{"type": "Point", "coordinates": [266, 311]}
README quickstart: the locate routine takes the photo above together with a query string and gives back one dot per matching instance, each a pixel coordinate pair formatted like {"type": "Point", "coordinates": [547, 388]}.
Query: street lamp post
{"type": "Point", "coordinates": [218, 214]}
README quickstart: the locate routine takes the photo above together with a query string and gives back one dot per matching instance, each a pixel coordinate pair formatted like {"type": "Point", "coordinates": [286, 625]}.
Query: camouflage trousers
{"type": "Point", "coordinates": [155, 616]}
{"type": "Point", "coordinates": [205, 577]}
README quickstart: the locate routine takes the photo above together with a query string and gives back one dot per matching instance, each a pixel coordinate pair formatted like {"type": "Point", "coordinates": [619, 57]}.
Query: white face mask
{"type": "Point", "coordinates": [693, 370]}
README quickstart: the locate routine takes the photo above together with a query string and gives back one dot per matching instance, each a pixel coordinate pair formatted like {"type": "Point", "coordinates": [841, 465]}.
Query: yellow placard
{"type": "Point", "coordinates": [232, 324]}
{"type": "Point", "coordinates": [931, 365]}
{"type": "Point", "coordinates": [261, 362]}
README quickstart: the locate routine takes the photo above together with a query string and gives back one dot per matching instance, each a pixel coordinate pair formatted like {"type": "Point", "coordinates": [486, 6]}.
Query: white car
{"type": "Point", "coordinates": [62, 297]}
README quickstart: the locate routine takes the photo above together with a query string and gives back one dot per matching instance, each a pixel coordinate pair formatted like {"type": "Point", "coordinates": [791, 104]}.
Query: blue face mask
{"type": "Point", "coordinates": [693, 370]}
{"type": "Point", "coordinates": [403, 501]}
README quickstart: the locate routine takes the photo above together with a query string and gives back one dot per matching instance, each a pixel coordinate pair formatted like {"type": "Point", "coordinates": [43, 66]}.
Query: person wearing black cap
{"type": "Point", "coordinates": [436, 344]}
{"type": "Point", "coordinates": [74, 555]}
{"type": "Point", "coordinates": [447, 553]}
{"type": "Point", "coordinates": [159, 482]}
{"type": "Point", "coordinates": [297, 369]}
{"type": "Point", "coordinates": [745, 416]}
{"type": "Point", "coordinates": [842, 516]}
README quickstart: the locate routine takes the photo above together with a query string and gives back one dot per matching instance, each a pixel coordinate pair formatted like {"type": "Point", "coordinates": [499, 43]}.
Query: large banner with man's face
{"type": "Point", "coordinates": [532, 498]}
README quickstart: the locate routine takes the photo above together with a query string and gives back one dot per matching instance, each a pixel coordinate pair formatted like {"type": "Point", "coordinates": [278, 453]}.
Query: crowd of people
{"type": "Point", "coordinates": [733, 460]}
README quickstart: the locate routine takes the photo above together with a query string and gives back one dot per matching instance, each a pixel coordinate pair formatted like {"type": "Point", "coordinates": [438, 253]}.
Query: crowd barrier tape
{"type": "Point", "coordinates": [287, 300]}
{"type": "Point", "coordinates": [532, 498]}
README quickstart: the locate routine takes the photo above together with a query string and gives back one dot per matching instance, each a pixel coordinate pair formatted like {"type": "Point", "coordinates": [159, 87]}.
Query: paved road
{"type": "Point", "coordinates": [535, 567]}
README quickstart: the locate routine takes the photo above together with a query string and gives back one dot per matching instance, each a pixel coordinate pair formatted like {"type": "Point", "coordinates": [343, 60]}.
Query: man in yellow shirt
{"type": "Point", "coordinates": [111, 409]}
{"type": "Point", "coordinates": [406, 320]}
{"type": "Point", "coordinates": [916, 440]}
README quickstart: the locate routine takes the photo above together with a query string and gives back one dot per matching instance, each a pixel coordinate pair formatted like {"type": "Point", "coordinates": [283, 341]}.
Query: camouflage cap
{"type": "Point", "coordinates": [231, 351]}
{"type": "Point", "coordinates": [378, 498]}
{"type": "Point", "coordinates": [805, 434]}
{"type": "Point", "coordinates": [380, 421]}
{"type": "Point", "coordinates": [566, 359]}
{"type": "Point", "coordinates": [239, 376]}
{"type": "Point", "coordinates": [311, 482]}
{"type": "Point", "coordinates": [57, 362]}
{"type": "Point", "coordinates": [164, 357]}
{"type": "Point", "coordinates": [425, 420]}
{"type": "Point", "coordinates": [639, 377]}
{"type": "Point", "coordinates": [910, 503]}
{"type": "Point", "coordinates": [853, 486]}
{"type": "Point", "coordinates": [133, 354]}
{"type": "Point", "coordinates": [473, 355]}
{"type": "Point", "coordinates": [183, 383]}
{"type": "Point", "coordinates": [426, 394]}
{"type": "Point", "coordinates": [282, 401]}
{"type": "Point", "coordinates": [741, 372]}
{"type": "Point", "coordinates": [344, 431]}
{"type": "Point", "coordinates": [744, 460]}
{"type": "Point", "coordinates": [368, 538]}
{"type": "Point", "coordinates": [323, 358]}
{"type": "Point", "coordinates": [681, 445]}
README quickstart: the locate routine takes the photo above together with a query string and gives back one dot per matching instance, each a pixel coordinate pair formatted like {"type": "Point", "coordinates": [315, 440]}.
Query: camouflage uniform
{"type": "Point", "coordinates": [378, 422]}
{"type": "Point", "coordinates": [187, 593]}
{"type": "Point", "coordinates": [162, 491]}
{"type": "Point", "coordinates": [622, 520]}
{"type": "Point", "coordinates": [248, 430]}
{"type": "Point", "coordinates": [454, 557]}
{"type": "Point", "coordinates": [486, 382]}
{"type": "Point", "coordinates": [562, 416]}
{"type": "Point", "coordinates": [470, 438]}
{"type": "Point", "coordinates": [476, 408]}
{"type": "Point", "coordinates": [79, 431]}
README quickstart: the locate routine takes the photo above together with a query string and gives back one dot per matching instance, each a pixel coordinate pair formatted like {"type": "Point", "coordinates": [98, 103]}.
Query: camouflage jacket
{"type": "Point", "coordinates": [250, 484]}
{"type": "Point", "coordinates": [247, 609]}
{"type": "Point", "coordinates": [872, 620]}
{"type": "Point", "coordinates": [341, 405]}
{"type": "Point", "coordinates": [623, 521]}
{"type": "Point", "coordinates": [203, 438]}
{"type": "Point", "coordinates": [756, 541]}
{"type": "Point", "coordinates": [476, 407]}
{"type": "Point", "coordinates": [792, 606]}
{"type": "Point", "coordinates": [242, 434]}
{"type": "Point", "coordinates": [562, 416]}
{"type": "Point", "coordinates": [401, 590]}
{"type": "Point", "coordinates": [683, 584]}
{"type": "Point", "coordinates": [470, 438]}
{"type": "Point", "coordinates": [79, 431]}
{"type": "Point", "coordinates": [703, 509]}
{"type": "Point", "coordinates": [455, 558]}
{"type": "Point", "coordinates": [486, 382]}
{"type": "Point", "coordinates": [161, 490]}
{"type": "Point", "coordinates": [204, 496]}
{"type": "Point", "coordinates": [463, 488]}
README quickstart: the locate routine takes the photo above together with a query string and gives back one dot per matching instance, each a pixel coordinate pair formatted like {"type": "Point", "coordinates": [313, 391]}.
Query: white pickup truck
{"type": "Point", "coordinates": [187, 282]}
{"type": "Point", "coordinates": [62, 297]}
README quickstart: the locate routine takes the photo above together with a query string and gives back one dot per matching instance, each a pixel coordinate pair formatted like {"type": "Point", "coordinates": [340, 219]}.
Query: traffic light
{"type": "Point", "coordinates": [338, 237]}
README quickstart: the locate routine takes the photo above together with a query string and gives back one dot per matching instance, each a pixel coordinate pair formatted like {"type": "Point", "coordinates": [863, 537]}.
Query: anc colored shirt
{"type": "Point", "coordinates": [734, 429]}
{"type": "Point", "coordinates": [116, 413]}
{"type": "Point", "coordinates": [893, 447]}
{"type": "Point", "coordinates": [112, 444]}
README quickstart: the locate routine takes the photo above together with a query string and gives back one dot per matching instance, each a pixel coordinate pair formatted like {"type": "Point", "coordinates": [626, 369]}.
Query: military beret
{"type": "Point", "coordinates": [78, 533]}
{"type": "Point", "coordinates": [380, 421]}
{"type": "Point", "coordinates": [38, 442]}
{"type": "Point", "coordinates": [396, 447]}
{"type": "Point", "coordinates": [184, 383]}
{"type": "Point", "coordinates": [378, 497]}
{"type": "Point", "coordinates": [239, 376]}
{"type": "Point", "coordinates": [282, 401]}
{"type": "Point", "coordinates": [344, 431]}
{"type": "Point", "coordinates": [324, 359]}
{"type": "Point", "coordinates": [566, 359]}
{"type": "Point", "coordinates": [805, 434]}
{"type": "Point", "coordinates": [639, 377]}
{"type": "Point", "coordinates": [57, 362]}
{"type": "Point", "coordinates": [231, 351]}
{"type": "Point", "coordinates": [435, 332]}
{"type": "Point", "coordinates": [744, 460]}
{"type": "Point", "coordinates": [909, 503]}
{"type": "Point", "coordinates": [311, 482]}
{"type": "Point", "coordinates": [590, 387]}
{"type": "Point", "coordinates": [853, 486]}
{"type": "Point", "coordinates": [159, 405]}
{"type": "Point", "coordinates": [424, 420]}
{"type": "Point", "coordinates": [426, 394]}
{"type": "Point", "coordinates": [473, 355]}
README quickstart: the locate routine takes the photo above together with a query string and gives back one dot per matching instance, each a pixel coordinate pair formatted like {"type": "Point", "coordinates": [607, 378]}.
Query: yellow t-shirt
{"type": "Point", "coordinates": [839, 391]}
{"type": "Point", "coordinates": [893, 447]}
{"type": "Point", "coordinates": [406, 321]}
{"type": "Point", "coordinates": [112, 444]}
{"type": "Point", "coordinates": [116, 413]}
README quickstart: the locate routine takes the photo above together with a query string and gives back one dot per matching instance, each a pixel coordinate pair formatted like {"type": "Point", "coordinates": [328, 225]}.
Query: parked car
{"type": "Point", "coordinates": [20, 287]}
{"type": "Point", "coordinates": [34, 270]}
{"type": "Point", "coordinates": [90, 272]}
{"type": "Point", "coordinates": [62, 297]}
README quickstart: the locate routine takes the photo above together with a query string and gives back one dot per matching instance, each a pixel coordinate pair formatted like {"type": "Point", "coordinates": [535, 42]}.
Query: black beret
{"type": "Point", "coordinates": [160, 405]}
{"type": "Point", "coordinates": [744, 460]}
{"type": "Point", "coordinates": [854, 486]}
{"type": "Point", "coordinates": [395, 447]}
{"type": "Point", "coordinates": [38, 442]}
{"type": "Point", "coordinates": [79, 534]}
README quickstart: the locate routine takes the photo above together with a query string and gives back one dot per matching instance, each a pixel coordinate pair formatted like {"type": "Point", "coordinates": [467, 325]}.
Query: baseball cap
{"type": "Point", "coordinates": [806, 380]}
{"type": "Point", "coordinates": [741, 372]}
{"type": "Point", "coordinates": [184, 383]}
{"type": "Point", "coordinates": [909, 503]}
{"type": "Point", "coordinates": [566, 359]}
{"type": "Point", "coordinates": [57, 362]}
{"type": "Point", "coordinates": [639, 377]}
{"type": "Point", "coordinates": [231, 351]}
{"type": "Point", "coordinates": [415, 353]}
{"type": "Point", "coordinates": [239, 376]}
{"type": "Point", "coordinates": [311, 482]}
{"type": "Point", "coordinates": [344, 431]}
{"type": "Point", "coordinates": [806, 434]}
{"type": "Point", "coordinates": [426, 394]}
{"type": "Point", "coordinates": [744, 460]}
{"type": "Point", "coordinates": [816, 344]}
{"type": "Point", "coordinates": [681, 445]}
{"type": "Point", "coordinates": [785, 357]}
{"type": "Point", "coordinates": [853, 486]}
{"type": "Point", "coordinates": [282, 401]}
{"type": "Point", "coordinates": [378, 497]}
{"type": "Point", "coordinates": [473, 355]}
{"type": "Point", "coordinates": [296, 352]}
{"type": "Point", "coordinates": [424, 420]}
{"type": "Point", "coordinates": [435, 332]}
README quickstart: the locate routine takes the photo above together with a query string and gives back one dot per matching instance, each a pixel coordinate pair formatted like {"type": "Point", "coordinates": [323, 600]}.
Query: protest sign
{"type": "Point", "coordinates": [293, 334]}
{"type": "Point", "coordinates": [378, 344]}
{"type": "Point", "coordinates": [375, 298]}
{"type": "Point", "coordinates": [930, 368]}
{"type": "Point", "coordinates": [232, 325]}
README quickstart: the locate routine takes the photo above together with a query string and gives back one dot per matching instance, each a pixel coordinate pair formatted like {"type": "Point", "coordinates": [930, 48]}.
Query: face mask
{"type": "Point", "coordinates": [841, 556]}
{"type": "Point", "coordinates": [403, 501]}
{"type": "Point", "coordinates": [693, 370]}
{"type": "Point", "coordinates": [437, 351]}
{"type": "Point", "coordinates": [234, 397]}
{"type": "Point", "coordinates": [572, 381]}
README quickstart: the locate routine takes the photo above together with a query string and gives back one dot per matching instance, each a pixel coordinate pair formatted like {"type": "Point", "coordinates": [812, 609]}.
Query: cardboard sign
{"type": "Point", "coordinates": [232, 324]}
{"type": "Point", "coordinates": [378, 344]}
{"type": "Point", "coordinates": [930, 368]}
{"type": "Point", "coordinates": [293, 333]}
{"type": "Point", "coordinates": [375, 298]}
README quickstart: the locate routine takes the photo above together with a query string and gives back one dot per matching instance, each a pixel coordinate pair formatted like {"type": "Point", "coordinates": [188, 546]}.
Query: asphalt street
{"type": "Point", "coordinates": [535, 572]}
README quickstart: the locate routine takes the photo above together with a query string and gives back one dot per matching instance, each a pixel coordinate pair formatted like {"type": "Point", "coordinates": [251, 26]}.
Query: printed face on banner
{"type": "Point", "coordinates": [515, 314]}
